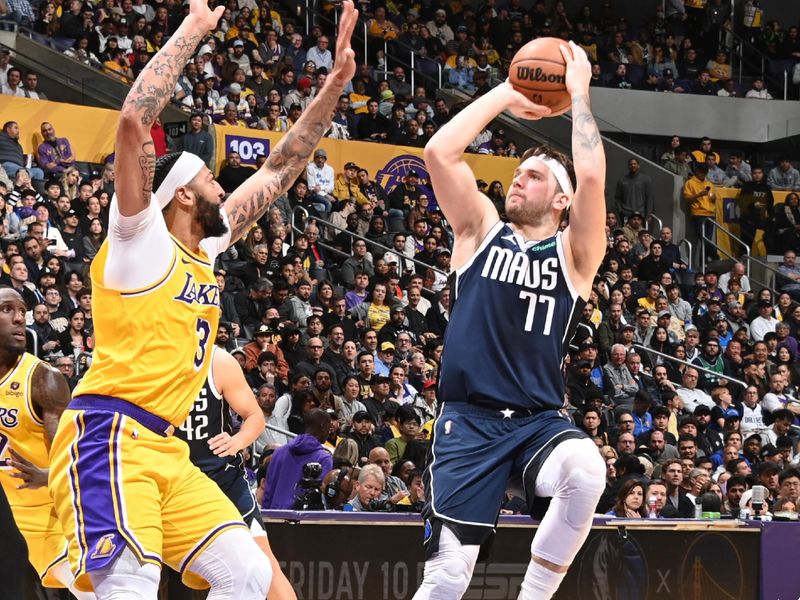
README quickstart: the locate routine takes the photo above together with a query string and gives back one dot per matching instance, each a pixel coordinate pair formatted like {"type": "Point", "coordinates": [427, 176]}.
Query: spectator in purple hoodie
{"type": "Point", "coordinates": [286, 467]}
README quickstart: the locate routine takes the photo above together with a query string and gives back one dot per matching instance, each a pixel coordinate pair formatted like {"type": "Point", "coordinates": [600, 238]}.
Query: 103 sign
{"type": "Point", "coordinates": [247, 147]}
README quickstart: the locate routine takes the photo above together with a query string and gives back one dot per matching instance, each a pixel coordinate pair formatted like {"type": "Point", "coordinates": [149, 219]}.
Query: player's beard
{"type": "Point", "coordinates": [207, 215]}
{"type": "Point", "coordinates": [528, 212]}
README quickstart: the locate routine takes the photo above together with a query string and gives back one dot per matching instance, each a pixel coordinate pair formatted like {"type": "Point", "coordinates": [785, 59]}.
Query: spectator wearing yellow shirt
{"type": "Point", "coordinates": [701, 196]}
{"type": "Point", "coordinates": [719, 68]}
{"type": "Point", "coordinates": [346, 186]}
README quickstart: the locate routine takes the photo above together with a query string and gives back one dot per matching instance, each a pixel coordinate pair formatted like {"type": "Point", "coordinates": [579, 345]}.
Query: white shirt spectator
{"type": "Point", "coordinates": [760, 326]}
{"type": "Point", "coordinates": [321, 56]}
{"type": "Point", "coordinates": [726, 277]}
{"type": "Point", "coordinates": [320, 176]}
{"type": "Point", "coordinates": [692, 398]}
{"type": "Point", "coordinates": [19, 91]}
{"type": "Point", "coordinates": [762, 94]}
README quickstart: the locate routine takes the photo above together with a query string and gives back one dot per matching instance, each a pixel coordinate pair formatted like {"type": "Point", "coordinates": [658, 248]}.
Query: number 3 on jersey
{"type": "Point", "coordinates": [203, 331]}
{"type": "Point", "coordinates": [533, 300]}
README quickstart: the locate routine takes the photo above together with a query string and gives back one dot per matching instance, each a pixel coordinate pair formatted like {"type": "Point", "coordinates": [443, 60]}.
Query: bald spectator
{"type": "Point", "coordinates": [233, 174]}
{"type": "Point", "coordinates": [320, 54]}
{"type": "Point", "coordinates": [394, 489]}
{"type": "Point", "coordinates": [54, 154]}
{"type": "Point", "coordinates": [692, 395]}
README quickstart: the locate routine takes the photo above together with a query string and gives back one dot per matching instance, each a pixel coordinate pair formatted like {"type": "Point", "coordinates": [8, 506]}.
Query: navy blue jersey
{"type": "Point", "coordinates": [513, 311]}
{"type": "Point", "coordinates": [210, 416]}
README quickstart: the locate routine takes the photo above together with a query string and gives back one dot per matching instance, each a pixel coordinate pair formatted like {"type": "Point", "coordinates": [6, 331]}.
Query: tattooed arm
{"type": "Point", "coordinates": [290, 156]}
{"type": "Point", "coordinates": [588, 212]}
{"type": "Point", "coordinates": [150, 93]}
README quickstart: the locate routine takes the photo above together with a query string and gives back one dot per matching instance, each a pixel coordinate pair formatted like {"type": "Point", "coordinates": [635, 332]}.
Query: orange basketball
{"type": "Point", "coordinates": [538, 71]}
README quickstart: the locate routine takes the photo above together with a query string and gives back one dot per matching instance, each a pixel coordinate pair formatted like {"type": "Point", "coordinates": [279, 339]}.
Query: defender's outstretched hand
{"type": "Point", "coordinates": [204, 16]}
{"type": "Point", "coordinates": [519, 105]}
{"type": "Point", "coordinates": [344, 66]}
{"type": "Point", "coordinates": [579, 69]}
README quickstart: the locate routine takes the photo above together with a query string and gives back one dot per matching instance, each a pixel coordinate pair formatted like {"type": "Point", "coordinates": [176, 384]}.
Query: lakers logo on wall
{"type": "Point", "coordinates": [396, 169]}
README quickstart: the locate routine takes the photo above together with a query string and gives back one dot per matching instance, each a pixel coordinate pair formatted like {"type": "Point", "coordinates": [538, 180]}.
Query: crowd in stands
{"type": "Point", "coordinates": [258, 65]}
{"type": "Point", "coordinates": [340, 337]}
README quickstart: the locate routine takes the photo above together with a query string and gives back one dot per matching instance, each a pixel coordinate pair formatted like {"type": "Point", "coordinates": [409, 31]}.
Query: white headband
{"type": "Point", "coordinates": [556, 168]}
{"type": "Point", "coordinates": [182, 172]}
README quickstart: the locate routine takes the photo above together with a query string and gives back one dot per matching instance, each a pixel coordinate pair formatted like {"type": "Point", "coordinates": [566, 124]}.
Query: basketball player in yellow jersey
{"type": "Point", "coordinates": [125, 491]}
{"type": "Point", "coordinates": [32, 398]}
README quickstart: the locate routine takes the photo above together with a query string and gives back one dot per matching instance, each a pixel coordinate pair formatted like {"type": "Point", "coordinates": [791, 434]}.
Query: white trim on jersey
{"type": "Point", "coordinates": [211, 385]}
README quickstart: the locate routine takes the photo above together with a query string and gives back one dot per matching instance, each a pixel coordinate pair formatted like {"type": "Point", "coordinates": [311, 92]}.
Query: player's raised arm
{"type": "Point", "coordinates": [135, 155]}
{"type": "Point", "coordinates": [290, 156]}
{"type": "Point", "coordinates": [468, 211]}
{"type": "Point", "coordinates": [586, 237]}
{"type": "Point", "coordinates": [230, 382]}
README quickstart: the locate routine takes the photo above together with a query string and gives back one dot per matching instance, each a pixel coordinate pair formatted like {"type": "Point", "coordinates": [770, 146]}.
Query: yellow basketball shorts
{"type": "Point", "coordinates": [116, 481]}
{"type": "Point", "coordinates": [47, 546]}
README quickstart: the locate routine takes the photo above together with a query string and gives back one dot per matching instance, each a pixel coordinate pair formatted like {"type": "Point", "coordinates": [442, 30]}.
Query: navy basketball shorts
{"type": "Point", "coordinates": [235, 486]}
{"type": "Point", "coordinates": [474, 453]}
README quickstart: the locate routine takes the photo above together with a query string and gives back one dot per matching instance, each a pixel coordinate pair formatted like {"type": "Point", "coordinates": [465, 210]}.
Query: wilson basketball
{"type": "Point", "coordinates": [538, 71]}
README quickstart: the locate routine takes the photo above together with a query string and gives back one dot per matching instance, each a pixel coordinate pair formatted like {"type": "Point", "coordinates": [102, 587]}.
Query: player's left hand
{"type": "Point", "coordinates": [32, 476]}
{"type": "Point", "coordinates": [579, 69]}
{"type": "Point", "coordinates": [224, 445]}
{"type": "Point", "coordinates": [344, 64]}
{"type": "Point", "coordinates": [203, 14]}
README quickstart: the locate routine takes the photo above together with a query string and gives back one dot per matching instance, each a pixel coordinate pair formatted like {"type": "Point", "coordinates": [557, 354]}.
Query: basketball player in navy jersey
{"type": "Point", "coordinates": [518, 290]}
{"type": "Point", "coordinates": [217, 451]}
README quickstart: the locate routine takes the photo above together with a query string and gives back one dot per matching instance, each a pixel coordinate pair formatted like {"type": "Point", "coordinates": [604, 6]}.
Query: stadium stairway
{"type": "Point", "coordinates": [64, 79]}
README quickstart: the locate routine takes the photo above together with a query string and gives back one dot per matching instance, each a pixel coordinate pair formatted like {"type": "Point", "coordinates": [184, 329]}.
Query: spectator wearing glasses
{"type": "Point", "coordinates": [692, 395]}
{"type": "Point", "coordinates": [320, 54]}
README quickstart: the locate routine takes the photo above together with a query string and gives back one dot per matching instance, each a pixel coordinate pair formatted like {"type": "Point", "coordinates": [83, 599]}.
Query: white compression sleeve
{"type": "Point", "coordinates": [126, 579]}
{"type": "Point", "coordinates": [139, 248]}
{"type": "Point", "coordinates": [234, 566]}
{"type": "Point", "coordinates": [449, 571]}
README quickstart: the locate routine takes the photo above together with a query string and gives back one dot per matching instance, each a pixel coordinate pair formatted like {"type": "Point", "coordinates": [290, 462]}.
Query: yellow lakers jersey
{"type": "Point", "coordinates": [23, 430]}
{"type": "Point", "coordinates": [152, 345]}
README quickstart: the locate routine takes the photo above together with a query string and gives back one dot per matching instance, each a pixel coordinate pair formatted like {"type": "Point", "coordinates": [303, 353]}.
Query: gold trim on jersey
{"type": "Point", "coordinates": [195, 257]}
{"type": "Point", "coordinates": [12, 370]}
{"type": "Point", "coordinates": [29, 396]}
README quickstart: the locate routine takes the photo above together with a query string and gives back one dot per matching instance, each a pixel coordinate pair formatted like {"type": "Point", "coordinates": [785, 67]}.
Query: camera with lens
{"type": "Point", "coordinates": [377, 505]}
{"type": "Point", "coordinates": [307, 494]}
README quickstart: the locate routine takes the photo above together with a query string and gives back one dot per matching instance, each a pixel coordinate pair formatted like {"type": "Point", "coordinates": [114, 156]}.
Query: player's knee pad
{"type": "Point", "coordinates": [449, 571]}
{"type": "Point", "coordinates": [63, 573]}
{"type": "Point", "coordinates": [573, 474]}
{"type": "Point", "coordinates": [234, 566]}
{"type": "Point", "coordinates": [126, 578]}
